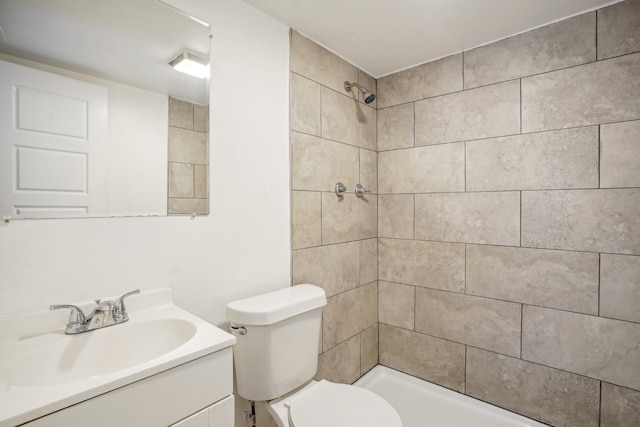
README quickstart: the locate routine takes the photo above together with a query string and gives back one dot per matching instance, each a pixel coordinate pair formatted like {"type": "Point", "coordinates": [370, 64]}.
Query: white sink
{"type": "Point", "coordinates": [44, 370]}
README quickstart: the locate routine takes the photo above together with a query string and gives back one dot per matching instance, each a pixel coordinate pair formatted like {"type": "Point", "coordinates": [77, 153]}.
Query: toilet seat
{"type": "Point", "coordinates": [341, 405]}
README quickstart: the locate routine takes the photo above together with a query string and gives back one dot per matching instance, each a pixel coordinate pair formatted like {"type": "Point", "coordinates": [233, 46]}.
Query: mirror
{"type": "Point", "coordinates": [97, 122]}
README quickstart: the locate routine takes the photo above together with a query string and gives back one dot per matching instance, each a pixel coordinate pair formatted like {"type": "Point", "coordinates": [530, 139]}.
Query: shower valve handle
{"type": "Point", "coordinates": [360, 190]}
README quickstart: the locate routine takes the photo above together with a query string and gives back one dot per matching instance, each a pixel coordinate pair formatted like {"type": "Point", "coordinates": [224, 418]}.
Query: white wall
{"type": "Point", "coordinates": [242, 248]}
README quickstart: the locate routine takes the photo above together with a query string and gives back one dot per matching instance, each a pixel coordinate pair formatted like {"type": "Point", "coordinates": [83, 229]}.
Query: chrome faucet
{"type": "Point", "coordinates": [105, 313]}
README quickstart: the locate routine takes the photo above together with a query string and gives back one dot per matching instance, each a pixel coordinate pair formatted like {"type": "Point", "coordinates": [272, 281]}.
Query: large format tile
{"type": "Point", "coordinates": [396, 304]}
{"type": "Point", "coordinates": [484, 112]}
{"type": "Point", "coordinates": [620, 287]}
{"type": "Point", "coordinates": [555, 279]}
{"type": "Point", "coordinates": [395, 216]}
{"type": "Point", "coordinates": [429, 264]}
{"type": "Point", "coordinates": [340, 364]}
{"type": "Point", "coordinates": [349, 313]}
{"type": "Point", "coordinates": [306, 219]}
{"type": "Point", "coordinates": [480, 322]}
{"type": "Point", "coordinates": [596, 347]}
{"type": "Point", "coordinates": [188, 146]}
{"type": "Point", "coordinates": [423, 81]}
{"type": "Point", "coordinates": [436, 168]}
{"type": "Point", "coordinates": [368, 170]}
{"type": "Point", "coordinates": [549, 395]}
{"type": "Point", "coordinates": [487, 218]}
{"type": "Point", "coordinates": [563, 44]}
{"type": "Point", "coordinates": [601, 92]}
{"type": "Point", "coordinates": [620, 154]}
{"type": "Point", "coordinates": [332, 267]}
{"type": "Point", "coordinates": [348, 218]}
{"type": "Point", "coordinates": [395, 127]}
{"type": "Point", "coordinates": [348, 121]}
{"type": "Point", "coordinates": [368, 261]}
{"type": "Point", "coordinates": [619, 29]}
{"type": "Point", "coordinates": [368, 348]}
{"type": "Point", "coordinates": [583, 220]}
{"type": "Point", "coordinates": [547, 160]}
{"type": "Point", "coordinates": [432, 359]}
{"type": "Point", "coordinates": [620, 407]}
{"type": "Point", "coordinates": [305, 105]}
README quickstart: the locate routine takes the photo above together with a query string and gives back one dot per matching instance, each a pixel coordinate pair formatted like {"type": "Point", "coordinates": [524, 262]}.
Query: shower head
{"type": "Point", "coordinates": [368, 96]}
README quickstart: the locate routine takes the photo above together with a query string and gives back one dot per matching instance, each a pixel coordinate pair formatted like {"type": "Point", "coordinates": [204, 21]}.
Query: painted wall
{"type": "Point", "coordinates": [242, 248]}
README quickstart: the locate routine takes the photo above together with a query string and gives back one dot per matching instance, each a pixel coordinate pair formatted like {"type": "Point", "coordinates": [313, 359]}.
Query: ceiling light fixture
{"type": "Point", "coordinates": [192, 64]}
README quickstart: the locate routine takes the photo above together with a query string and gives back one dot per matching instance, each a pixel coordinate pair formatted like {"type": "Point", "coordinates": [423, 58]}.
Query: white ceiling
{"type": "Point", "coordinates": [384, 36]}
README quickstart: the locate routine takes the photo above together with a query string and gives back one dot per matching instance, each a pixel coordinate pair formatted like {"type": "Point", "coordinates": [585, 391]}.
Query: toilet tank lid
{"type": "Point", "coordinates": [272, 307]}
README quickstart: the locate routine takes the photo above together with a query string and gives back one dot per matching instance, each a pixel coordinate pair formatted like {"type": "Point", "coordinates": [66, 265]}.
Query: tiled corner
{"type": "Point", "coordinates": [395, 127]}
{"type": "Point", "coordinates": [396, 304]}
{"type": "Point", "coordinates": [181, 113]}
{"type": "Point", "coordinates": [368, 255]}
{"type": "Point", "coordinates": [341, 364]}
{"type": "Point", "coordinates": [620, 407]}
{"type": "Point", "coordinates": [620, 287]}
{"type": "Point", "coordinates": [619, 29]}
{"type": "Point", "coordinates": [369, 170]}
{"type": "Point", "coordinates": [305, 105]}
{"type": "Point", "coordinates": [332, 267]}
{"type": "Point", "coordinates": [347, 120]}
{"type": "Point", "coordinates": [368, 349]}
{"type": "Point", "coordinates": [348, 217]}
{"type": "Point", "coordinates": [306, 219]}
{"type": "Point", "coordinates": [395, 216]}
{"type": "Point", "coordinates": [620, 154]}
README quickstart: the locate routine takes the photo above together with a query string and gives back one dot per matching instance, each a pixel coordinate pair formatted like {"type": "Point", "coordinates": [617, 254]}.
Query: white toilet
{"type": "Point", "coordinates": [276, 356]}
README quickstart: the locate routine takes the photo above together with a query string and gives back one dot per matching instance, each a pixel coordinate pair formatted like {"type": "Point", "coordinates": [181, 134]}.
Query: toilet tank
{"type": "Point", "coordinates": [277, 340]}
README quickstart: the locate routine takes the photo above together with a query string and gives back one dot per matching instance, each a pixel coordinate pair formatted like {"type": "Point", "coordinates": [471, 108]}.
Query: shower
{"type": "Point", "coordinates": [368, 96]}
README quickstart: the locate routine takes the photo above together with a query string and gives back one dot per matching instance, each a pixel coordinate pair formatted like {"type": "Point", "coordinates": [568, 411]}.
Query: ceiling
{"type": "Point", "coordinates": [385, 36]}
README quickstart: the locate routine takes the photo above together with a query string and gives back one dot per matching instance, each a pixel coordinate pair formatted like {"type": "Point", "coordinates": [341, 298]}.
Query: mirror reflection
{"type": "Point", "coordinates": [94, 120]}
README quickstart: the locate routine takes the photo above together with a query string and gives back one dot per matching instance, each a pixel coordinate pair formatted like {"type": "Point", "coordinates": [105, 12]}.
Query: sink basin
{"type": "Point", "coordinates": [70, 358]}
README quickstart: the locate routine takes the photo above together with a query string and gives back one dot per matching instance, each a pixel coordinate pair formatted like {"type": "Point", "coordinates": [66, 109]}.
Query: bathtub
{"type": "Point", "coordinates": [423, 404]}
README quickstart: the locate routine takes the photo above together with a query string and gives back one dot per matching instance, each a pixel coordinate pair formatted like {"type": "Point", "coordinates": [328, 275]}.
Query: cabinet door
{"type": "Point", "coordinates": [199, 419]}
{"type": "Point", "coordinates": [220, 414]}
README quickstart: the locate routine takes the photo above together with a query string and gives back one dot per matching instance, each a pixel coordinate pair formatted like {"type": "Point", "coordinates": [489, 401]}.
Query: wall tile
{"type": "Point", "coordinates": [305, 105]}
{"type": "Point", "coordinates": [317, 164]}
{"type": "Point", "coordinates": [599, 348]}
{"type": "Point", "coordinates": [188, 206]}
{"type": "Point", "coordinates": [349, 313]}
{"type": "Point", "coordinates": [480, 322]}
{"type": "Point", "coordinates": [368, 349]}
{"type": "Point", "coordinates": [331, 267]}
{"type": "Point", "coordinates": [432, 359]}
{"type": "Point", "coordinates": [346, 120]}
{"type": "Point", "coordinates": [368, 255]}
{"type": "Point", "coordinates": [429, 264]}
{"type": "Point", "coordinates": [620, 287]}
{"type": "Point", "coordinates": [431, 79]}
{"type": "Point", "coordinates": [620, 407]}
{"type": "Point", "coordinates": [188, 146]}
{"type": "Point", "coordinates": [306, 219]}
{"type": "Point", "coordinates": [549, 395]}
{"type": "Point", "coordinates": [201, 118]}
{"type": "Point", "coordinates": [369, 170]}
{"type": "Point", "coordinates": [547, 160]}
{"type": "Point", "coordinates": [422, 170]}
{"type": "Point", "coordinates": [487, 218]}
{"type": "Point", "coordinates": [473, 114]}
{"type": "Point", "coordinates": [602, 92]}
{"type": "Point", "coordinates": [320, 65]}
{"type": "Point", "coordinates": [348, 218]}
{"type": "Point", "coordinates": [396, 304]}
{"type": "Point", "coordinates": [620, 154]}
{"type": "Point", "coordinates": [341, 364]}
{"type": "Point", "coordinates": [583, 220]}
{"type": "Point", "coordinates": [619, 29]}
{"type": "Point", "coordinates": [563, 44]}
{"type": "Point", "coordinates": [555, 279]}
{"type": "Point", "coordinates": [201, 181]}
{"type": "Point", "coordinates": [370, 83]}
{"type": "Point", "coordinates": [395, 216]}
{"type": "Point", "coordinates": [181, 183]}
{"type": "Point", "coordinates": [180, 113]}
{"type": "Point", "coordinates": [395, 127]}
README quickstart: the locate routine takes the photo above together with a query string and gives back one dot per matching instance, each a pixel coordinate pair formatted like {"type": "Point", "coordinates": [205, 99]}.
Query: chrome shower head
{"type": "Point", "coordinates": [368, 96]}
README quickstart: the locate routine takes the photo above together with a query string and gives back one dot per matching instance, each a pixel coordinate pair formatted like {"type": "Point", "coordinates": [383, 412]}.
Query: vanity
{"type": "Point", "coordinates": [162, 367]}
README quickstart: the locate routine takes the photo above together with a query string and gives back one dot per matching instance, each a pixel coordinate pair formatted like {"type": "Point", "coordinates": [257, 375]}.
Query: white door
{"type": "Point", "coordinates": [53, 136]}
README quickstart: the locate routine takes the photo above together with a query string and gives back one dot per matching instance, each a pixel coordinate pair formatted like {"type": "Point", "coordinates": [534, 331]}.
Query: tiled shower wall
{"type": "Point", "coordinates": [509, 221]}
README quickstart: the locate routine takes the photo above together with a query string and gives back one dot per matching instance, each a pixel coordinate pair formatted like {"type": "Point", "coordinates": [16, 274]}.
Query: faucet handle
{"type": "Point", "coordinates": [120, 311]}
{"type": "Point", "coordinates": [76, 317]}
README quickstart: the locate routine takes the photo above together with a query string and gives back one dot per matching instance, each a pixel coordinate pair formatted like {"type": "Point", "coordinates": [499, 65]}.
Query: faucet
{"type": "Point", "coordinates": [105, 313]}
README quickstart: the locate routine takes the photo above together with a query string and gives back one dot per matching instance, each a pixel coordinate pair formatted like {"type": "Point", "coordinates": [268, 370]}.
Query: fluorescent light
{"type": "Point", "coordinates": [192, 64]}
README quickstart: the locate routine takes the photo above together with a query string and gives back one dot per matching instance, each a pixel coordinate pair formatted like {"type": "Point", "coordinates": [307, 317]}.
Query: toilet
{"type": "Point", "coordinates": [276, 356]}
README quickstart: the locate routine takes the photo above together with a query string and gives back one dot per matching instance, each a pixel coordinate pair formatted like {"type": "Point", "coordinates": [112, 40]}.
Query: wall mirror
{"type": "Point", "coordinates": [94, 121]}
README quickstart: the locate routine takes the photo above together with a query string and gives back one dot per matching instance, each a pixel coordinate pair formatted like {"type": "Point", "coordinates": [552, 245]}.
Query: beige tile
{"type": "Point", "coordinates": [181, 180]}
{"type": "Point", "coordinates": [201, 118]}
{"type": "Point", "coordinates": [305, 105]}
{"type": "Point", "coordinates": [371, 84]}
{"type": "Point", "coordinates": [180, 113]}
{"type": "Point", "coordinates": [583, 220]}
{"type": "Point", "coordinates": [601, 92]}
{"type": "Point", "coordinates": [619, 29]}
{"type": "Point", "coordinates": [346, 120]}
{"type": "Point", "coordinates": [395, 216]}
{"type": "Point", "coordinates": [473, 114]}
{"type": "Point", "coordinates": [368, 261]}
{"type": "Point", "coordinates": [555, 279]}
{"type": "Point", "coordinates": [396, 304]}
{"type": "Point", "coordinates": [480, 322]}
{"type": "Point", "coordinates": [306, 219]}
{"type": "Point", "coordinates": [547, 160]}
{"type": "Point", "coordinates": [432, 359]}
{"type": "Point", "coordinates": [620, 407]}
{"type": "Point", "coordinates": [348, 218]}
{"type": "Point", "coordinates": [368, 349]}
{"type": "Point", "coordinates": [368, 170]}
{"type": "Point", "coordinates": [188, 146]}
{"type": "Point", "coordinates": [599, 348]}
{"type": "Point", "coordinates": [487, 218]}
{"type": "Point", "coordinates": [201, 181]}
{"type": "Point", "coordinates": [429, 264]}
{"type": "Point", "coordinates": [563, 44]}
{"type": "Point", "coordinates": [178, 206]}
{"type": "Point", "coordinates": [435, 168]}
{"type": "Point", "coordinates": [318, 164]}
{"type": "Point", "coordinates": [341, 364]}
{"type": "Point", "coordinates": [423, 81]}
{"type": "Point", "coordinates": [395, 127]}
{"type": "Point", "coordinates": [620, 287]}
{"type": "Point", "coordinates": [349, 313]}
{"type": "Point", "coordinates": [330, 267]}
{"type": "Point", "coordinates": [318, 64]}
{"type": "Point", "coordinates": [620, 154]}
{"type": "Point", "coordinates": [549, 395]}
